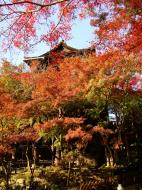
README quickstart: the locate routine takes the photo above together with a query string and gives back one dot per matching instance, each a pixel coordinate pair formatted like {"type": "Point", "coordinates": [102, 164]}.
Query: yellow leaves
{"type": "Point", "coordinates": [101, 83]}
{"type": "Point", "coordinates": [111, 75]}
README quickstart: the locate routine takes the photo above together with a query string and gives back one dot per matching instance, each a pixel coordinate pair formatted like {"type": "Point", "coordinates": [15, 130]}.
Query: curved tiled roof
{"type": "Point", "coordinates": [61, 47]}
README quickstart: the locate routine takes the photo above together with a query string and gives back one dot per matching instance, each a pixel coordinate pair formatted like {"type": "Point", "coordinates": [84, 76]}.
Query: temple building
{"type": "Point", "coordinates": [61, 51]}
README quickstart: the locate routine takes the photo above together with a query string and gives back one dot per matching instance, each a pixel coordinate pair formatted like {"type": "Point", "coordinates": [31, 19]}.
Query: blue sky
{"type": "Point", "coordinates": [82, 34]}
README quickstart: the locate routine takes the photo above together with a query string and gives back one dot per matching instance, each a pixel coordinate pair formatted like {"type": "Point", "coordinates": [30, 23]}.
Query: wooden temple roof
{"type": "Point", "coordinates": [61, 49]}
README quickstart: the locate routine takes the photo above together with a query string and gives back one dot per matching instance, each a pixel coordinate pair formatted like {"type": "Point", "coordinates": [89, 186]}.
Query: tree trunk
{"type": "Point", "coordinates": [27, 157]}
{"type": "Point", "coordinates": [127, 149]}
{"type": "Point", "coordinates": [69, 172]}
{"type": "Point", "coordinates": [109, 157]}
{"type": "Point", "coordinates": [57, 157]}
{"type": "Point", "coordinates": [7, 172]}
{"type": "Point", "coordinates": [52, 149]}
{"type": "Point", "coordinates": [34, 154]}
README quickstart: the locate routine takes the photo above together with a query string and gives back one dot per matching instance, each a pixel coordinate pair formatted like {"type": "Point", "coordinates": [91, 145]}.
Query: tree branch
{"type": "Point", "coordinates": [33, 3]}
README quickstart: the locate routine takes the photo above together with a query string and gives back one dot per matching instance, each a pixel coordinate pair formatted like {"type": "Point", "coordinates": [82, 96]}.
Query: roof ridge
{"type": "Point", "coordinates": [62, 43]}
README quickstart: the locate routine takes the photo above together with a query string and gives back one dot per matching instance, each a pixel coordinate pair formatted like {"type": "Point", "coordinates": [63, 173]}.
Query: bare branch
{"type": "Point", "coordinates": [33, 3]}
{"type": "Point", "coordinates": [58, 23]}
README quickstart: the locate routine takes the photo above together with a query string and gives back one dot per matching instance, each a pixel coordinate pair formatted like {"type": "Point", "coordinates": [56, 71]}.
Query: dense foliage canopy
{"type": "Point", "coordinates": [68, 106]}
{"type": "Point", "coordinates": [117, 23]}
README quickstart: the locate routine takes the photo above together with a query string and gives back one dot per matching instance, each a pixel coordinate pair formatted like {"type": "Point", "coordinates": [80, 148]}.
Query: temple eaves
{"type": "Point", "coordinates": [41, 62]}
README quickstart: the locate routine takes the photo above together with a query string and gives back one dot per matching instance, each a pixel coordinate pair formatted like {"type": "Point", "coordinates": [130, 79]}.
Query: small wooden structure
{"type": "Point", "coordinates": [54, 56]}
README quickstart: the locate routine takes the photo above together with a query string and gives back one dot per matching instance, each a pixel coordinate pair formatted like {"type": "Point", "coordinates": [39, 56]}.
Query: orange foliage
{"type": "Point", "coordinates": [122, 27]}
{"type": "Point", "coordinates": [101, 130]}
{"type": "Point", "coordinates": [80, 136]}
{"type": "Point", "coordinates": [119, 22]}
{"type": "Point", "coordinates": [58, 122]}
{"type": "Point", "coordinates": [4, 149]}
